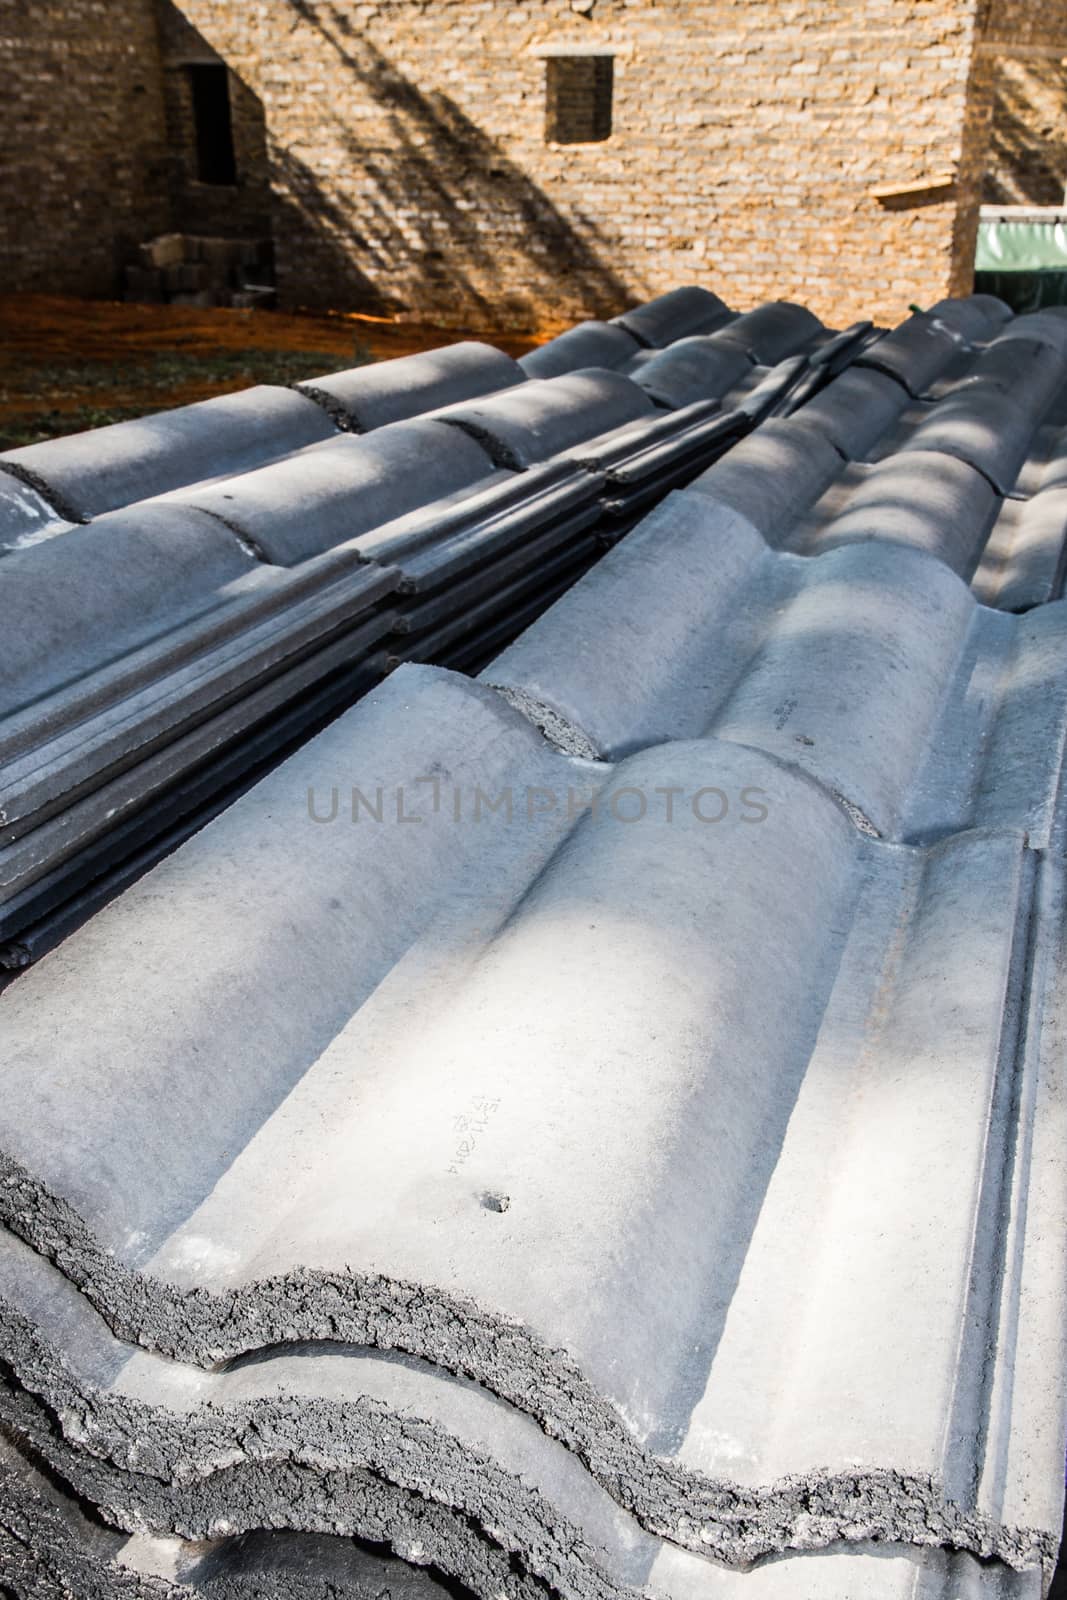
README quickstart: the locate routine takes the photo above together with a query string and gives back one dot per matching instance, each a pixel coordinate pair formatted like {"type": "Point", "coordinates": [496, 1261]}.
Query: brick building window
{"type": "Point", "coordinates": [578, 93]}
{"type": "Point", "coordinates": [209, 85]}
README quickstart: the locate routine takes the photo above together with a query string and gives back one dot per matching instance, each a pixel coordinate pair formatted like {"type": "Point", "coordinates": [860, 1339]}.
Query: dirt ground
{"type": "Point", "coordinates": [68, 364]}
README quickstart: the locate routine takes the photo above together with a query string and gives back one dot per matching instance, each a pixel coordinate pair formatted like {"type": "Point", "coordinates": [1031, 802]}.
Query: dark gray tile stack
{"type": "Point", "coordinates": [185, 595]}
{"type": "Point", "coordinates": [930, 441]}
{"type": "Point", "coordinates": [467, 1025]}
{"type": "Point", "coordinates": [596, 1130]}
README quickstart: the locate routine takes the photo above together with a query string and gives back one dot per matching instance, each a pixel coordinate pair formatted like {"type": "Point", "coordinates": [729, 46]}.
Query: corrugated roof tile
{"type": "Point", "coordinates": [383, 392]}
{"type": "Point", "coordinates": [589, 344]}
{"type": "Point", "coordinates": [85, 474]}
{"type": "Point", "coordinates": [688, 1079]}
{"type": "Point", "coordinates": [699, 368]}
{"type": "Point", "coordinates": [861, 667]}
{"type": "Point", "coordinates": [295, 509]}
{"type": "Point", "coordinates": [917, 352]}
{"type": "Point", "coordinates": [523, 427]}
{"type": "Point", "coordinates": [674, 315]}
{"type": "Point", "coordinates": [515, 976]}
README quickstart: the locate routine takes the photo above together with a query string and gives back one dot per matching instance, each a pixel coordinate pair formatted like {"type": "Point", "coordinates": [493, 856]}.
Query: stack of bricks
{"type": "Point", "coordinates": [182, 269]}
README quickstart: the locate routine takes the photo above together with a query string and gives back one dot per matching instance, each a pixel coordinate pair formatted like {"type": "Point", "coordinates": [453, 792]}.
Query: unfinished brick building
{"type": "Point", "coordinates": [525, 162]}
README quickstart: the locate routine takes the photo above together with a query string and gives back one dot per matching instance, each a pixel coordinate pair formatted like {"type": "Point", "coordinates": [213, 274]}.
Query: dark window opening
{"type": "Point", "coordinates": [578, 91]}
{"type": "Point", "coordinates": [215, 160]}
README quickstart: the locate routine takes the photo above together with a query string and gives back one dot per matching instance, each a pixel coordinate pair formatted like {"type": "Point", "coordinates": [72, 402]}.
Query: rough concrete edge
{"type": "Point", "coordinates": [678, 1503]}
{"type": "Point", "coordinates": [418, 1533]}
{"type": "Point", "coordinates": [282, 1491]}
{"type": "Point", "coordinates": [499, 452]}
{"type": "Point", "coordinates": [338, 414]}
{"type": "Point", "coordinates": [565, 736]}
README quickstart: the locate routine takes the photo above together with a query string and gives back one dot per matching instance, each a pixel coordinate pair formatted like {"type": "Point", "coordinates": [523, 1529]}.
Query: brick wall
{"type": "Point", "coordinates": [238, 211]}
{"type": "Point", "coordinates": [1024, 43]}
{"type": "Point", "coordinates": [398, 147]}
{"type": "Point", "coordinates": [411, 168]}
{"type": "Point", "coordinates": [83, 140]}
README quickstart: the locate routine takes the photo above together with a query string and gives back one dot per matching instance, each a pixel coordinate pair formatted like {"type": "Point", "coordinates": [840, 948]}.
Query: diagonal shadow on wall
{"type": "Point", "coordinates": [431, 214]}
{"type": "Point", "coordinates": [1028, 145]}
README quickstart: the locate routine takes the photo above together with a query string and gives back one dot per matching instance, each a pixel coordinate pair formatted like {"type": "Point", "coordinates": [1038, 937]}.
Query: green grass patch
{"type": "Point", "coordinates": [104, 388]}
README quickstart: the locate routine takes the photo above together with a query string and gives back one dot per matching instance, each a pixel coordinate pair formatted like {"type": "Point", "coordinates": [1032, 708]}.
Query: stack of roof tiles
{"type": "Point", "coordinates": [594, 1129]}
{"type": "Point", "coordinates": [186, 593]}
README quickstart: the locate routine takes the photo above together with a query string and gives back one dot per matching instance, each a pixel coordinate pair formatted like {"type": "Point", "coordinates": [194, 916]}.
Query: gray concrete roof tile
{"type": "Point", "coordinates": [772, 477]}
{"type": "Point", "coordinates": [702, 367]}
{"type": "Point", "coordinates": [377, 394]}
{"type": "Point", "coordinates": [674, 315]}
{"type": "Point", "coordinates": [773, 331]}
{"type": "Point", "coordinates": [990, 417]}
{"type": "Point", "coordinates": [53, 1549]}
{"type": "Point", "coordinates": [692, 627]}
{"type": "Point", "coordinates": [523, 427]}
{"type": "Point", "coordinates": [715, 1122]}
{"type": "Point", "coordinates": [915, 353]}
{"type": "Point", "coordinates": [297, 508]}
{"type": "Point", "coordinates": [589, 344]}
{"type": "Point", "coordinates": [1047, 326]}
{"type": "Point", "coordinates": [923, 499]}
{"type": "Point", "coordinates": [505, 551]}
{"type": "Point", "coordinates": [85, 474]}
{"type": "Point", "coordinates": [976, 317]}
{"type": "Point", "coordinates": [26, 517]}
{"type": "Point", "coordinates": [985, 436]}
{"type": "Point", "coordinates": [65, 793]}
{"type": "Point", "coordinates": [857, 409]}
{"type": "Point", "coordinates": [1023, 562]}
{"type": "Point", "coordinates": [919, 351]}
{"type": "Point", "coordinates": [70, 604]}
{"type": "Point", "coordinates": [388, 757]}
{"type": "Point", "coordinates": [513, 973]}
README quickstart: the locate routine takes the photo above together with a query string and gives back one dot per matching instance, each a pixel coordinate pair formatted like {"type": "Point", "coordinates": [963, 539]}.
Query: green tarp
{"type": "Point", "coordinates": [1024, 262]}
{"type": "Point", "coordinates": [1021, 246]}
